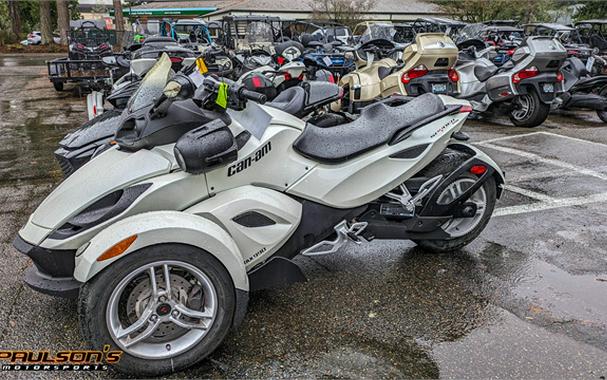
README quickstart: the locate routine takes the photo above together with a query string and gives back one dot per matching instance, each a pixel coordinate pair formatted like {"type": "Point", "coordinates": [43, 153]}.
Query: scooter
{"type": "Point", "coordinates": [427, 67]}
{"type": "Point", "coordinates": [582, 90]}
{"type": "Point", "coordinates": [163, 237]}
{"type": "Point", "coordinates": [526, 85]}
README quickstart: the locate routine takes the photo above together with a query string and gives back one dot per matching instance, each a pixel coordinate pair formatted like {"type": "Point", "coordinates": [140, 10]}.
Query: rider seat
{"type": "Point", "coordinates": [377, 125]}
{"type": "Point", "coordinates": [291, 100]}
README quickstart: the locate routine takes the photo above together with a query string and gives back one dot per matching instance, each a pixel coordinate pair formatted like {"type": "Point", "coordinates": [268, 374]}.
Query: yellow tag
{"type": "Point", "coordinates": [222, 95]}
{"type": "Point", "coordinates": [202, 67]}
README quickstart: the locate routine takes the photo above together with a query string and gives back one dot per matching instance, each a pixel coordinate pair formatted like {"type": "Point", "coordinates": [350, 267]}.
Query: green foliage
{"type": "Point", "coordinates": [592, 10]}
{"type": "Point", "coordinates": [5, 24]}
{"type": "Point", "coordinates": [482, 10]}
{"type": "Point", "coordinates": [73, 7]}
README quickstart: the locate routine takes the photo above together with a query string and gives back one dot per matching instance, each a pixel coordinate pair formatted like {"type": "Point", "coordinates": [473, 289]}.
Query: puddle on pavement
{"type": "Point", "coordinates": [21, 60]}
{"type": "Point", "coordinates": [547, 295]}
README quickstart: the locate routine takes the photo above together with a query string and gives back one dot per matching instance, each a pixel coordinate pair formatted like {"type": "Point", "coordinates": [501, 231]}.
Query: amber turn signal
{"type": "Point", "coordinates": [118, 248]}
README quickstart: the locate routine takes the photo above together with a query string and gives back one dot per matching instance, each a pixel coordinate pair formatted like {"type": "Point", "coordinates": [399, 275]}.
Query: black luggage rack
{"type": "Point", "coordinates": [93, 74]}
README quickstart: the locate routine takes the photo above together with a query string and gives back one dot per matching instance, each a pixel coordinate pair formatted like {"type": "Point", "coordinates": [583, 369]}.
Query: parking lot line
{"type": "Point", "coordinates": [573, 138]}
{"type": "Point", "coordinates": [507, 138]}
{"type": "Point", "coordinates": [550, 161]}
{"type": "Point", "coordinates": [529, 193]}
{"type": "Point", "coordinates": [548, 205]}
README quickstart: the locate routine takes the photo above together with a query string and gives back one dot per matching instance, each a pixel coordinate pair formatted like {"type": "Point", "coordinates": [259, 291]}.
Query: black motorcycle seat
{"type": "Point", "coordinates": [377, 125]}
{"type": "Point", "coordinates": [292, 100]}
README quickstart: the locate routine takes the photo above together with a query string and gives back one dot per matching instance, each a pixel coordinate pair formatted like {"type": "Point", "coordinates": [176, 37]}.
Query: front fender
{"type": "Point", "coordinates": [500, 177]}
{"type": "Point", "coordinates": [160, 227]}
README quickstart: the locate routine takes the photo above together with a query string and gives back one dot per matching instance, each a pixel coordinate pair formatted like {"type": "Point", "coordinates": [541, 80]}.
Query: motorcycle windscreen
{"type": "Point", "coordinates": [152, 85]}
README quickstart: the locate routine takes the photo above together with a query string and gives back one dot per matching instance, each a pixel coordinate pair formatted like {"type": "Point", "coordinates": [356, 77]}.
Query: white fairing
{"type": "Point", "coordinates": [350, 184]}
{"type": "Point", "coordinates": [199, 210]}
{"type": "Point", "coordinates": [255, 243]}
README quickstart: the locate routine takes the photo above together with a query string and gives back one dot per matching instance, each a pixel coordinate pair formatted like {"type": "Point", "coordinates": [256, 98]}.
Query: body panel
{"type": "Point", "coordinates": [256, 243]}
{"type": "Point", "coordinates": [160, 227]}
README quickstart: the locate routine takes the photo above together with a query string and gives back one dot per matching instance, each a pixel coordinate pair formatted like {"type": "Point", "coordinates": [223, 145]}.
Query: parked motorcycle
{"type": "Point", "coordinates": [427, 67]}
{"type": "Point", "coordinates": [526, 85]}
{"type": "Point", "coordinates": [162, 237]}
{"type": "Point", "coordinates": [581, 90]}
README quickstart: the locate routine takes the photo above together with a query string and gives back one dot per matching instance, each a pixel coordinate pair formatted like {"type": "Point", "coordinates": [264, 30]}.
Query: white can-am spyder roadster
{"type": "Point", "coordinates": [162, 237]}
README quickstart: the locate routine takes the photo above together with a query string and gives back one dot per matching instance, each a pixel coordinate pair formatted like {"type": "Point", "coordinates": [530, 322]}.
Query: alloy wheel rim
{"type": "Point", "coordinates": [458, 227]}
{"type": "Point", "coordinates": [525, 107]}
{"type": "Point", "coordinates": [152, 318]}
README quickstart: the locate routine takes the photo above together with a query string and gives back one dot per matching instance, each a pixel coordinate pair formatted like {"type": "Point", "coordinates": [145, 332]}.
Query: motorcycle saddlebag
{"type": "Point", "coordinates": [206, 148]}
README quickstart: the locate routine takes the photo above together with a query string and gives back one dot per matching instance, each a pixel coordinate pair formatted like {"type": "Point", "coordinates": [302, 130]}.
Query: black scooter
{"type": "Point", "coordinates": [581, 91]}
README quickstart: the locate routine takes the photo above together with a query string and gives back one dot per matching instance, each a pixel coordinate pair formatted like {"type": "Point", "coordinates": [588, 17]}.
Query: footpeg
{"type": "Point", "coordinates": [344, 233]}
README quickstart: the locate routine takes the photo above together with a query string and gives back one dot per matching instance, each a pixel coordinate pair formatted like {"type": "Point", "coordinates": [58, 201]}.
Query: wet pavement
{"type": "Point", "coordinates": [527, 299]}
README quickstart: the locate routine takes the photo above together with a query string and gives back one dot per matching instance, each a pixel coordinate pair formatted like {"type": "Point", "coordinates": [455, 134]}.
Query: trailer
{"type": "Point", "coordinates": [86, 73]}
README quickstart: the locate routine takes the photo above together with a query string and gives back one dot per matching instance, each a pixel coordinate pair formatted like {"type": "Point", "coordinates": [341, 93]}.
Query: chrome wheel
{"type": "Point", "coordinates": [161, 309]}
{"type": "Point", "coordinates": [524, 107]}
{"type": "Point", "coordinates": [457, 227]}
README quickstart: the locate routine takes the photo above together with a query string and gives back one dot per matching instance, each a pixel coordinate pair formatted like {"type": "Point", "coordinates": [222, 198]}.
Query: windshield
{"type": "Point", "coordinates": [152, 85]}
{"type": "Point", "coordinates": [259, 32]}
{"type": "Point", "coordinates": [378, 31]}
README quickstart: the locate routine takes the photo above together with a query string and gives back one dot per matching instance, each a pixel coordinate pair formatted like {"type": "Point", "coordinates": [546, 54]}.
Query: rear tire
{"type": "Point", "coordinates": [97, 302]}
{"type": "Point", "coordinates": [58, 86]}
{"type": "Point", "coordinates": [602, 114]}
{"type": "Point", "coordinates": [532, 111]}
{"type": "Point", "coordinates": [445, 164]}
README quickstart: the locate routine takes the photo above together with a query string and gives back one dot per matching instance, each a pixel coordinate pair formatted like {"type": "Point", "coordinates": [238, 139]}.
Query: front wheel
{"type": "Point", "coordinates": [166, 307]}
{"type": "Point", "coordinates": [462, 230]}
{"type": "Point", "coordinates": [528, 110]}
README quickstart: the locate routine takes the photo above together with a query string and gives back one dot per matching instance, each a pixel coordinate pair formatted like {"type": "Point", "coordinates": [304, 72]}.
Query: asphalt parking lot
{"type": "Point", "coordinates": [527, 299]}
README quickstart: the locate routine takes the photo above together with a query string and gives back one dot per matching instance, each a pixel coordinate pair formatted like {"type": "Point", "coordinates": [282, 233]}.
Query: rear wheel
{"type": "Point", "coordinates": [529, 111]}
{"type": "Point", "coordinates": [602, 114]}
{"type": "Point", "coordinates": [462, 230]}
{"type": "Point", "coordinates": [166, 307]}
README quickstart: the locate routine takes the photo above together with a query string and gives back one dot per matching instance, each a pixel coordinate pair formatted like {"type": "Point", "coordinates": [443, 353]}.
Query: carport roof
{"type": "Point", "coordinates": [224, 6]}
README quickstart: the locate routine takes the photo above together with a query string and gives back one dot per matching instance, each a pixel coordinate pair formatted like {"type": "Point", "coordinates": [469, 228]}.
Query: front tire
{"type": "Point", "coordinates": [160, 331]}
{"type": "Point", "coordinates": [462, 230]}
{"type": "Point", "coordinates": [530, 111]}
{"type": "Point", "coordinates": [58, 86]}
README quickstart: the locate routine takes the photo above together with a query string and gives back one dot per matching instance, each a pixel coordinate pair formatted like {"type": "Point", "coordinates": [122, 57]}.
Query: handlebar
{"type": "Point", "coordinates": [234, 89]}
{"type": "Point", "coordinates": [252, 95]}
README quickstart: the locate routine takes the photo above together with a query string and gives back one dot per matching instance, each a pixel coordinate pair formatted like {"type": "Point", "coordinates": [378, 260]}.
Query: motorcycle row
{"type": "Point", "coordinates": [210, 173]}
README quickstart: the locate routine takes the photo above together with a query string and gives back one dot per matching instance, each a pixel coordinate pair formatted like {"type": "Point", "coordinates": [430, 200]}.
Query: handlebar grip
{"type": "Point", "coordinates": [254, 96]}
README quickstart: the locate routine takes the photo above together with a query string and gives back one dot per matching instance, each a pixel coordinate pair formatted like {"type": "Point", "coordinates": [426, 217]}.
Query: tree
{"type": "Point", "coordinates": [591, 10]}
{"type": "Point", "coordinates": [63, 20]}
{"type": "Point", "coordinates": [15, 17]}
{"type": "Point", "coordinates": [46, 22]}
{"type": "Point", "coordinates": [347, 12]}
{"type": "Point", "coordinates": [523, 11]}
{"type": "Point", "coordinates": [118, 22]}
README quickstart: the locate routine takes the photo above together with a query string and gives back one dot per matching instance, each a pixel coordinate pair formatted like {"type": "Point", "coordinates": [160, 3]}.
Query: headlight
{"type": "Point", "coordinates": [172, 89]}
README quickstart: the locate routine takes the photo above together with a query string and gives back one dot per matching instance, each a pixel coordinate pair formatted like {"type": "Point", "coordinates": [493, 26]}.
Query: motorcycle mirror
{"type": "Point", "coordinates": [180, 87]}
{"type": "Point", "coordinates": [109, 60]}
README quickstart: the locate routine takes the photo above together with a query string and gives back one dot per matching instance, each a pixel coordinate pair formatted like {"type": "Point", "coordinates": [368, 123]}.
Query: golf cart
{"type": "Point", "coordinates": [437, 25]}
{"type": "Point", "coordinates": [193, 34]}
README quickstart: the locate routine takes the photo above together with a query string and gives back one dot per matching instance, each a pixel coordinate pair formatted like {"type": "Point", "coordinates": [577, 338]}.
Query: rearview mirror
{"type": "Point", "coordinates": [109, 60]}
{"type": "Point", "coordinates": [180, 87]}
